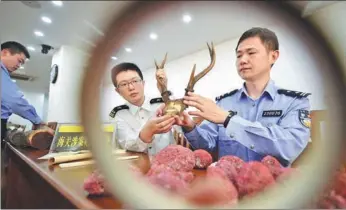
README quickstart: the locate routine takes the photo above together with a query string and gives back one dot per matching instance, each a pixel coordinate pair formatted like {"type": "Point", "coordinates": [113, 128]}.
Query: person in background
{"type": "Point", "coordinates": [13, 56]}
{"type": "Point", "coordinates": [138, 128]}
{"type": "Point", "coordinates": [256, 120]}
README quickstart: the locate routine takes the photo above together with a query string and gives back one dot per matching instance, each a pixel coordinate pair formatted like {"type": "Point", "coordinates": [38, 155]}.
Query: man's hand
{"type": "Point", "coordinates": [44, 125]}
{"type": "Point", "coordinates": [40, 125]}
{"type": "Point", "coordinates": [207, 108]}
{"type": "Point", "coordinates": [185, 121]}
{"type": "Point", "coordinates": [156, 125]}
{"type": "Point", "coordinates": [159, 111]}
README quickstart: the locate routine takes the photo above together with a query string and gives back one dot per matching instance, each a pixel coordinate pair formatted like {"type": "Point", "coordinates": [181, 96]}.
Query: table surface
{"type": "Point", "coordinates": [69, 181]}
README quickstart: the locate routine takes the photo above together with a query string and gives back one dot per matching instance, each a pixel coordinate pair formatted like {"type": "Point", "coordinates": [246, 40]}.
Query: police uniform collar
{"type": "Point", "coordinates": [270, 89]}
{"type": "Point", "coordinates": [134, 109]}
{"type": "Point", "coordinates": [4, 68]}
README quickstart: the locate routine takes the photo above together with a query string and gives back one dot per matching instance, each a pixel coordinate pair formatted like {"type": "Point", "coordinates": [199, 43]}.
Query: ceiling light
{"type": "Point", "coordinates": [187, 18]}
{"type": "Point", "coordinates": [114, 58]}
{"type": "Point", "coordinates": [46, 19]}
{"type": "Point", "coordinates": [31, 48]}
{"type": "Point", "coordinates": [38, 33]}
{"type": "Point", "coordinates": [153, 36]}
{"type": "Point", "coordinates": [128, 49]}
{"type": "Point", "coordinates": [57, 3]}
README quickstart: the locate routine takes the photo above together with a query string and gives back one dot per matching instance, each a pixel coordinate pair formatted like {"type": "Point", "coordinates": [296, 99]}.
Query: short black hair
{"type": "Point", "coordinates": [15, 48]}
{"type": "Point", "coordinates": [268, 37]}
{"type": "Point", "coordinates": [124, 67]}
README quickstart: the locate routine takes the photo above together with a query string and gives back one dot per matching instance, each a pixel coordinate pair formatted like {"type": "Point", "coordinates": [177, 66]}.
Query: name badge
{"type": "Point", "coordinates": [272, 113]}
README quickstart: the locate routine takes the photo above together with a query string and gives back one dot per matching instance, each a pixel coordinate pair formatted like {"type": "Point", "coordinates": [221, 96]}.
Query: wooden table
{"type": "Point", "coordinates": [32, 183]}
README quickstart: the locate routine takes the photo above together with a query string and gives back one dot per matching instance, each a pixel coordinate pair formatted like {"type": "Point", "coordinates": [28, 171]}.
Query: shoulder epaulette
{"type": "Point", "coordinates": [293, 93]}
{"type": "Point", "coordinates": [156, 100]}
{"type": "Point", "coordinates": [226, 95]}
{"type": "Point", "coordinates": [116, 109]}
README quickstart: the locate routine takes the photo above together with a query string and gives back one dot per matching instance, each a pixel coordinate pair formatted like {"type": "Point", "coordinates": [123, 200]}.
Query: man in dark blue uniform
{"type": "Point", "coordinates": [13, 55]}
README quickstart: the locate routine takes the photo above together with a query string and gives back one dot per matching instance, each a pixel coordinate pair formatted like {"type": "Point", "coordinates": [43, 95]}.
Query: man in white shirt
{"type": "Point", "coordinates": [138, 128]}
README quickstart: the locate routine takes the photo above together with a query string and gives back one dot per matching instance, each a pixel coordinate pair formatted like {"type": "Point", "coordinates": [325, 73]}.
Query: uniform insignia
{"type": "Point", "coordinates": [272, 113]}
{"type": "Point", "coordinates": [226, 95]}
{"type": "Point", "coordinates": [156, 100]}
{"type": "Point", "coordinates": [116, 109]}
{"type": "Point", "coordinates": [293, 93]}
{"type": "Point", "coordinates": [304, 118]}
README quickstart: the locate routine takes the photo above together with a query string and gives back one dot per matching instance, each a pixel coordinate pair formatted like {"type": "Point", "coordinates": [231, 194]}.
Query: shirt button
{"type": "Point", "coordinates": [252, 146]}
{"type": "Point", "coordinates": [253, 105]}
{"type": "Point", "coordinates": [231, 136]}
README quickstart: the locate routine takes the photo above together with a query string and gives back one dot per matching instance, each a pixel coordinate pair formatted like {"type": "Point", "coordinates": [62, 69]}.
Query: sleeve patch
{"type": "Point", "coordinates": [304, 118]}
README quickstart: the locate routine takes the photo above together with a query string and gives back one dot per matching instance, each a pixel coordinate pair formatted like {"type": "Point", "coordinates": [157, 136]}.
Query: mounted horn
{"type": "Point", "coordinates": [176, 107]}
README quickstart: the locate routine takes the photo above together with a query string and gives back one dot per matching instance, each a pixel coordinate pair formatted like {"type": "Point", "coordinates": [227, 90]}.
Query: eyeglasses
{"type": "Point", "coordinates": [134, 82]}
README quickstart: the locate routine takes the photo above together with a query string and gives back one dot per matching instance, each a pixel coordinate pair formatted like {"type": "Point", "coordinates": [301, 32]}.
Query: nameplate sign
{"type": "Point", "coordinates": [70, 138]}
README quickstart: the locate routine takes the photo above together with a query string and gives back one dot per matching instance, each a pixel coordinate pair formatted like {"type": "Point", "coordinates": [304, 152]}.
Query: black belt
{"type": "Point", "coordinates": [3, 130]}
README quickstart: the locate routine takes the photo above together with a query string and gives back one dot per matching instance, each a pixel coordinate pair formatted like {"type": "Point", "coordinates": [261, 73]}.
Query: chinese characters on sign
{"type": "Point", "coordinates": [71, 138]}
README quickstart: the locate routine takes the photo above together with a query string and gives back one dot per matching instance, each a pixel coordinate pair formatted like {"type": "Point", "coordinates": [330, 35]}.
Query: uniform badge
{"type": "Point", "coordinates": [272, 113]}
{"type": "Point", "coordinates": [304, 118]}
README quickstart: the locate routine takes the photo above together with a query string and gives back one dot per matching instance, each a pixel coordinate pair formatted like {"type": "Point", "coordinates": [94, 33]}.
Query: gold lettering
{"type": "Point", "coordinates": [61, 141]}
{"type": "Point", "coordinates": [74, 141]}
{"type": "Point", "coordinates": [81, 141]}
{"type": "Point", "coordinates": [68, 141]}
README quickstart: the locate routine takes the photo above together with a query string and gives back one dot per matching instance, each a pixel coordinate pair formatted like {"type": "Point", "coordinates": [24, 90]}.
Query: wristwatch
{"type": "Point", "coordinates": [229, 116]}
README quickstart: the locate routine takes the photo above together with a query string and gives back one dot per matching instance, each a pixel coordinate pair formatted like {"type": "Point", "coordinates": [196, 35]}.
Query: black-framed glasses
{"type": "Point", "coordinates": [134, 82]}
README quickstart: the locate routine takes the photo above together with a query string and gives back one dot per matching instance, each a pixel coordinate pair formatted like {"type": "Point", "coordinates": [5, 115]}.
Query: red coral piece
{"type": "Point", "coordinates": [212, 191]}
{"type": "Point", "coordinates": [253, 177]}
{"type": "Point", "coordinates": [203, 159]}
{"type": "Point", "coordinates": [176, 157]}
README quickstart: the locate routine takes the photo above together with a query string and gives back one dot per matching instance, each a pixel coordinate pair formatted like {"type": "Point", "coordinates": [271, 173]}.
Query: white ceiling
{"type": "Point", "coordinates": [80, 23]}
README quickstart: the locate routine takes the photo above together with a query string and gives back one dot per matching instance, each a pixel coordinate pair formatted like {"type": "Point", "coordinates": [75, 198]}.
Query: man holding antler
{"type": "Point", "coordinates": [256, 120]}
{"type": "Point", "coordinates": [138, 128]}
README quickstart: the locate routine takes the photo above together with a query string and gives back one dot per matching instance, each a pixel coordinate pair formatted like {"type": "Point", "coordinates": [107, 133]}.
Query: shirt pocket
{"type": "Point", "coordinates": [269, 121]}
{"type": "Point", "coordinates": [226, 144]}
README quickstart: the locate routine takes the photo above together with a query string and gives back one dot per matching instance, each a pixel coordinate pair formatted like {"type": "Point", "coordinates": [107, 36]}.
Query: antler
{"type": "Point", "coordinates": [162, 66]}
{"type": "Point", "coordinates": [161, 83]}
{"type": "Point", "coordinates": [193, 79]}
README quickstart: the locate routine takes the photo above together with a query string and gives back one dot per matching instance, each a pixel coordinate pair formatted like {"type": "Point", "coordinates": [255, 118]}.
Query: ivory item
{"type": "Point", "coordinates": [119, 151]}
{"type": "Point", "coordinates": [58, 154]}
{"type": "Point", "coordinates": [128, 157]}
{"type": "Point", "coordinates": [39, 139]}
{"type": "Point", "coordinates": [77, 164]}
{"type": "Point", "coordinates": [90, 162]}
{"type": "Point", "coordinates": [68, 158]}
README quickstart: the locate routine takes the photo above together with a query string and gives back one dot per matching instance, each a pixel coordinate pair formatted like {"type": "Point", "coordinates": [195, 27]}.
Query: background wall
{"type": "Point", "coordinates": [64, 94]}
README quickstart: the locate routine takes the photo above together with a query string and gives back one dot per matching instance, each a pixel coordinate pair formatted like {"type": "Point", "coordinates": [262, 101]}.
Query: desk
{"type": "Point", "coordinates": [33, 184]}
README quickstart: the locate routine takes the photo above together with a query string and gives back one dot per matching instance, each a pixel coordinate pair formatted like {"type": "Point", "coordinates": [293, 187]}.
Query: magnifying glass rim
{"type": "Point", "coordinates": [141, 194]}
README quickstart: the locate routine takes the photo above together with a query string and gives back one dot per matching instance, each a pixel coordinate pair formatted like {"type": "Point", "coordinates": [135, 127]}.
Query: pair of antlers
{"type": "Point", "coordinates": [194, 79]}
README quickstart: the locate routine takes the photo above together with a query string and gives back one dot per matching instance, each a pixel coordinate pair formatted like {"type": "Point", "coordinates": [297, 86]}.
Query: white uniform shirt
{"type": "Point", "coordinates": [129, 121]}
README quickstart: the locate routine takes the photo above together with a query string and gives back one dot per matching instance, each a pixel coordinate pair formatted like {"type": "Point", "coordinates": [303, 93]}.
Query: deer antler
{"type": "Point", "coordinates": [193, 79]}
{"type": "Point", "coordinates": [161, 83]}
{"type": "Point", "coordinates": [162, 66]}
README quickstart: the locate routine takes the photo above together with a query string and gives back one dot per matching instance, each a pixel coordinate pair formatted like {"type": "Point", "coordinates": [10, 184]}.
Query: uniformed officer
{"type": "Point", "coordinates": [137, 126]}
{"type": "Point", "coordinates": [258, 119]}
{"type": "Point", "coordinates": [13, 55]}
